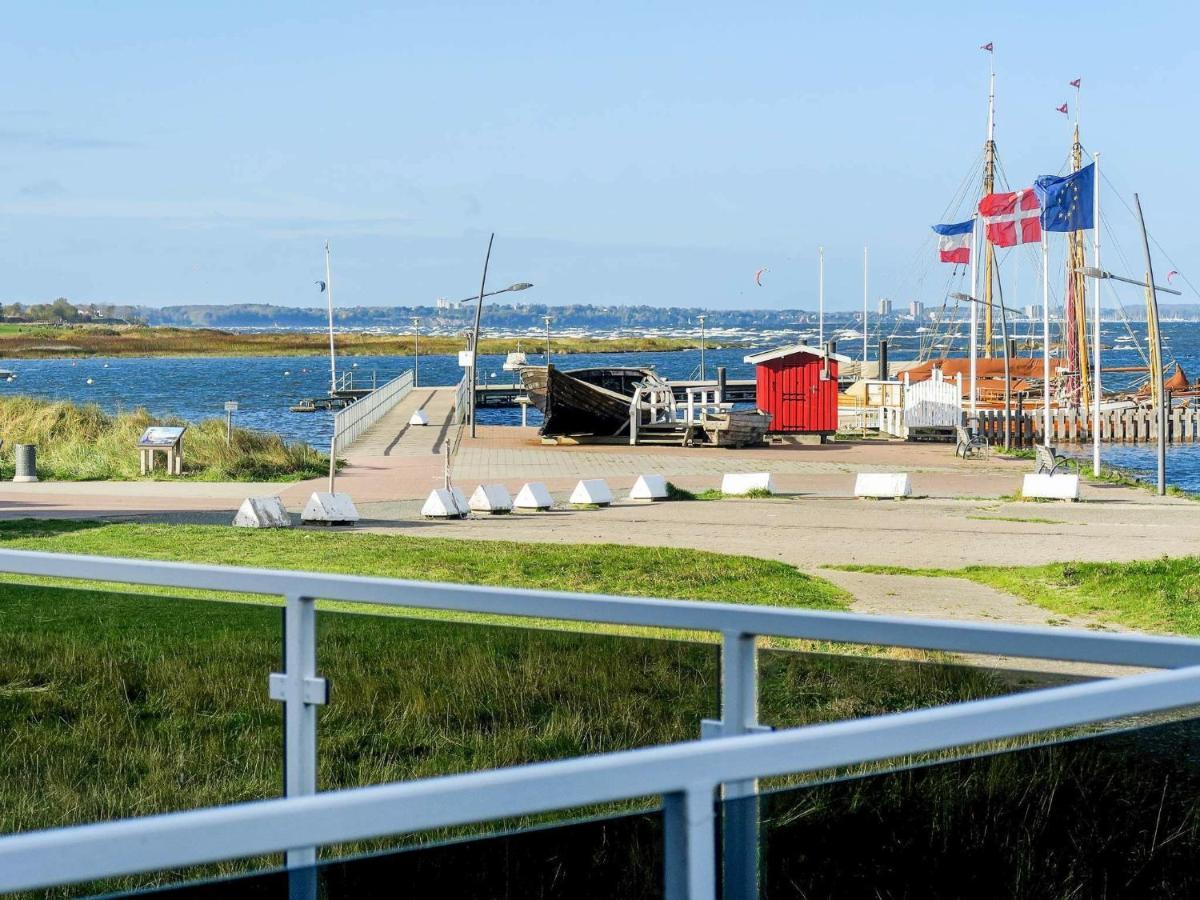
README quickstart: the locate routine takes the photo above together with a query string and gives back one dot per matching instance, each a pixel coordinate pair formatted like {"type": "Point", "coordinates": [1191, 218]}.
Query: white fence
{"type": "Point", "coordinates": [687, 775]}
{"type": "Point", "coordinates": [936, 403]}
{"type": "Point", "coordinates": [356, 418]}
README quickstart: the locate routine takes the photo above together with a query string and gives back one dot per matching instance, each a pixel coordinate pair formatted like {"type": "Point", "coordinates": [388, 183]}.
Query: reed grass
{"type": "Point", "coordinates": [84, 443]}
{"type": "Point", "coordinates": [46, 342]}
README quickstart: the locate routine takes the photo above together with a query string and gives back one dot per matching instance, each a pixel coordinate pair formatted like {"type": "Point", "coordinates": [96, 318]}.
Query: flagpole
{"type": "Point", "coordinates": [974, 310]}
{"type": "Point", "coordinates": [1045, 340]}
{"type": "Point", "coordinates": [1096, 318]}
{"type": "Point", "coordinates": [329, 299]}
{"type": "Point", "coordinates": [821, 298]}
{"type": "Point", "coordinates": [865, 258]}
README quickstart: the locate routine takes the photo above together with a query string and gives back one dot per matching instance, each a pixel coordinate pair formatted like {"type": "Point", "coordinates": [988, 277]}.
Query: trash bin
{"type": "Point", "coordinates": [26, 463]}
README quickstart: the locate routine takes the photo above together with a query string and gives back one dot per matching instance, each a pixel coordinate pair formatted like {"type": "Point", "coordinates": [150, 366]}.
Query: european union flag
{"type": "Point", "coordinates": [1068, 202]}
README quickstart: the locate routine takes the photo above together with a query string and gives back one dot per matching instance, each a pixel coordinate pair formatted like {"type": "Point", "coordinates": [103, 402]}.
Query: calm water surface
{"type": "Point", "coordinates": [266, 386]}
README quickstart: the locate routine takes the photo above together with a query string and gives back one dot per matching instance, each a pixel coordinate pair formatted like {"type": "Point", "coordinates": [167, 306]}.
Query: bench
{"type": "Point", "coordinates": [1048, 460]}
{"type": "Point", "coordinates": [969, 442]}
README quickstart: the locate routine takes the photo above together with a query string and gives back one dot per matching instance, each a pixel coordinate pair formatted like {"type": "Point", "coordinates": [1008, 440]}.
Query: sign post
{"type": "Point", "coordinates": [230, 408]}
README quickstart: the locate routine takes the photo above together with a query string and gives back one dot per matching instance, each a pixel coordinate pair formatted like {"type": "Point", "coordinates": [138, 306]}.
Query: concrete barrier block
{"type": "Point", "coordinates": [445, 504]}
{"type": "Point", "coordinates": [649, 488]}
{"type": "Point", "coordinates": [262, 512]}
{"type": "Point", "coordinates": [533, 496]}
{"type": "Point", "coordinates": [741, 483]}
{"type": "Point", "coordinates": [324, 508]}
{"type": "Point", "coordinates": [492, 499]}
{"type": "Point", "coordinates": [886, 485]}
{"type": "Point", "coordinates": [592, 491]}
{"type": "Point", "coordinates": [1059, 486]}
{"type": "Point", "coordinates": [419, 417]}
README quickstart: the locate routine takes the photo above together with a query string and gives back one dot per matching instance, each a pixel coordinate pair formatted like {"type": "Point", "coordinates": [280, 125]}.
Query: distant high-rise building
{"type": "Point", "coordinates": [885, 306]}
{"type": "Point", "coordinates": [1033, 311]}
{"type": "Point", "coordinates": [916, 308]}
{"type": "Point", "coordinates": [443, 303]}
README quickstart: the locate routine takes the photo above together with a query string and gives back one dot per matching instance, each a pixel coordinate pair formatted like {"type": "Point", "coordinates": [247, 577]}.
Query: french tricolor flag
{"type": "Point", "coordinates": [954, 241]}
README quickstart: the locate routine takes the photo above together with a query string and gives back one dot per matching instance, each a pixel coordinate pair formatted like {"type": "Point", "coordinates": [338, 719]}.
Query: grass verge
{"type": "Point", "coordinates": [1161, 595]}
{"type": "Point", "coordinates": [83, 443]}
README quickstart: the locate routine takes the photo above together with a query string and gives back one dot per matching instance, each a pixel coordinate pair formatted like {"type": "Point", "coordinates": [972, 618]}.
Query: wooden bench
{"type": "Point", "coordinates": [1048, 460]}
{"type": "Point", "coordinates": [969, 442]}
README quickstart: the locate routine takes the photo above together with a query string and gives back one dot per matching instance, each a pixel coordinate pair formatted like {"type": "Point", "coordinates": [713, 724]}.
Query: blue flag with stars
{"type": "Point", "coordinates": [1068, 202]}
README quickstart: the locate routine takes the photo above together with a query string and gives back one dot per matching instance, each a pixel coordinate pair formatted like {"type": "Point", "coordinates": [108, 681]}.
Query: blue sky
{"type": "Point", "coordinates": [623, 152]}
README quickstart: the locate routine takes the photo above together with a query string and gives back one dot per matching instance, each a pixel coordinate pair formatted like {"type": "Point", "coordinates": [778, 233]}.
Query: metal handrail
{"type": "Point", "coordinates": [685, 774]}
{"type": "Point", "coordinates": [693, 769]}
{"type": "Point", "coordinates": [350, 422]}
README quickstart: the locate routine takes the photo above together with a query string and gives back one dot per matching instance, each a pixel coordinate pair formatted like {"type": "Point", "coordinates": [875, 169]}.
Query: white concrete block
{"type": "Point", "coordinates": [324, 508]}
{"type": "Point", "coordinates": [445, 504]}
{"type": "Point", "coordinates": [882, 485]}
{"type": "Point", "coordinates": [592, 491]}
{"type": "Point", "coordinates": [1059, 486]}
{"type": "Point", "coordinates": [533, 496]}
{"type": "Point", "coordinates": [738, 484]}
{"type": "Point", "coordinates": [262, 512]}
{"type": "Point", "coordinates": [419, 417]}
{"type": "Point", "coordinates": [491, 498]}
{"type": "Point", "coordinates": [649, 487]}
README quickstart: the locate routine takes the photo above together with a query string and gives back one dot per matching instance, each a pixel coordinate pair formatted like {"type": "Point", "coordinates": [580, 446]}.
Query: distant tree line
{"type": "Point", "coordinates": [64, 311]}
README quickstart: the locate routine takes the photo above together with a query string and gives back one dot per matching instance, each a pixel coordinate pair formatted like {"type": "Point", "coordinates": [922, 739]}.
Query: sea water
{"type": "Point", "coordinates": [194, 388]}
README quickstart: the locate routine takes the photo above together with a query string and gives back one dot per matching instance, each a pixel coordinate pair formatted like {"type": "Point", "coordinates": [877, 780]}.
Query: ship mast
{"type": "Point", "coordinates": [1077, 298]}
{"type": "Point", "coordinates": [989, 185]}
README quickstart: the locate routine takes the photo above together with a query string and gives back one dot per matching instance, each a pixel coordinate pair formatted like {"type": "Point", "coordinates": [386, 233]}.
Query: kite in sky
{"type": "Point", "coordinates": [758, 276]}
{"type": "Point", "coordinates": [320, 286]}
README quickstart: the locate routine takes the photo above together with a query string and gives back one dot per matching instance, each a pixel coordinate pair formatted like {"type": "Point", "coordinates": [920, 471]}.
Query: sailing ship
{"type": "Point", "coordinates": [1063, 374]}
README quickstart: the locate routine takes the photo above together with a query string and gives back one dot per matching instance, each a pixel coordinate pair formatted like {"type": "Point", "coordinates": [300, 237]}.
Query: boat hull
{"type": "Point", "coordinates": [574, 406]}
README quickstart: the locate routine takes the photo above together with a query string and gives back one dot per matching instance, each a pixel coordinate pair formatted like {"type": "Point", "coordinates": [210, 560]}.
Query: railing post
{"type": "Point", "coordinates": [689, 845]}
{"type": "Point", "coordinates": [739, 715]}
{"type": "Point", "coordinates": [301, 691]}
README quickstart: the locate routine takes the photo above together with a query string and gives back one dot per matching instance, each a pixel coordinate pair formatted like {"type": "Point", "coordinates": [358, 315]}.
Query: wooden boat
{"type": "Point", "coordinates": [582, 401]}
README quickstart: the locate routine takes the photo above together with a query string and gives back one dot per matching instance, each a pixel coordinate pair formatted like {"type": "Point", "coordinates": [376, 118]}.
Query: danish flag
{"type": "Point", "coordinates": [1011, 218]}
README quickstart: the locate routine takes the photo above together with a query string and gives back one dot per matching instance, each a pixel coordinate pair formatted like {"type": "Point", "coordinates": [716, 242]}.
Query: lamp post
{"type": "Point", "coordinates": [967, 298]}
{"type": "Point", "coordinates": [701, 319]}
{"type": "Point", "coordinates": [519, 286]}
{"type": "Point", "coordinates": [1158, 393]}
{"type": "Point", "coordinates": [416, 321]}
{"type": "Point", "coordinates": [547, 320]}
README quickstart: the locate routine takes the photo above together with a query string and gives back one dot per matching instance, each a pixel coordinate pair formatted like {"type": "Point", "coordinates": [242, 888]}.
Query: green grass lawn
{"type": "Point", "coordinates": [1161, 595]}
{"type": "Point", "coordinates": [116, 703]}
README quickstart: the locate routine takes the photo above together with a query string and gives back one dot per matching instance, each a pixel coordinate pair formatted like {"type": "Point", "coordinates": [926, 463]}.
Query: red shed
{"type": "Point", "coordinates": [798, 386]}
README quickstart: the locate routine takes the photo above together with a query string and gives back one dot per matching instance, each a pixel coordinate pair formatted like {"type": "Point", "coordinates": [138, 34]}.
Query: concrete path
{"type": "Point", "coordinates": [393, 458]}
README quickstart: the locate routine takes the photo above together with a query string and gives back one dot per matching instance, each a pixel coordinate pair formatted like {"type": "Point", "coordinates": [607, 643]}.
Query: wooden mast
{"type": "Point", "coordinates": [989, 185]}
{"type": "Point", "coordinates": [1077, 292]}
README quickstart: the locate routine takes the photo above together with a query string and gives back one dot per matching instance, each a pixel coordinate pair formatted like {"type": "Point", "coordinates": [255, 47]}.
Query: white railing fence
{"type": "Point", "coordinates": [462, 400]}
{"type": "Point", "coordinates": [688, 775]}
{"type": "Point", "coordinates": [353, 420]}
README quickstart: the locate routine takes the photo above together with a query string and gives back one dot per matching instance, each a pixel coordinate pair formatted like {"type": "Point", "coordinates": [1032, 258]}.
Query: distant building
{"type": "Point", "coordinates": [1033, 311]}
{"type": "Point", "coordinates": [443, 303]}
{"type": "Point", "coordinates": [916, 308]}
{"type": "Point", "coordinates": [885, 306]}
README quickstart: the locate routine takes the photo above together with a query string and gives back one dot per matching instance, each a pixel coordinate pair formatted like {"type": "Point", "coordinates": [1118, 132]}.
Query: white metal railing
{"type": "Point", "coordinates": [462, 400]}
{"type": "Point", "coordinates": [687, 775]}
{"type": "Point", "coordinates": [360, 415]}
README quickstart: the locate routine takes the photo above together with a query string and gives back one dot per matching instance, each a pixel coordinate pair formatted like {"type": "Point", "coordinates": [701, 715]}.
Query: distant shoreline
{"type": "Point", "coordinates": [81, 341]}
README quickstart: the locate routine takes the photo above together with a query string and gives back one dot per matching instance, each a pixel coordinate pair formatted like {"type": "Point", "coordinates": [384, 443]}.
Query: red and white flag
{"type": "Point", "coordinates": [1011, 218]}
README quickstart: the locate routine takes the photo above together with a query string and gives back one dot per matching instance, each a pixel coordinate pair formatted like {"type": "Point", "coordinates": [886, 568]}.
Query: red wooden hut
{"type": "Point", "coordinates": [798, 386]}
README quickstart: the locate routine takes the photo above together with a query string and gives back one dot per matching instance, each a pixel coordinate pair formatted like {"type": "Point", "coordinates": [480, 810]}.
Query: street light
{"type": "Point", "coordinates": [967, 298]}
{"type": "Point", "coordinates": [416, 320]}
{"type": "Point", "coordinates": [701, 319]}
{"type": "Point", "coordinates": [547, 320]}
{"type": "Point", "coordinates": [519, 286]}
{"type": "Point", "coordinates": [1093, 272]}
